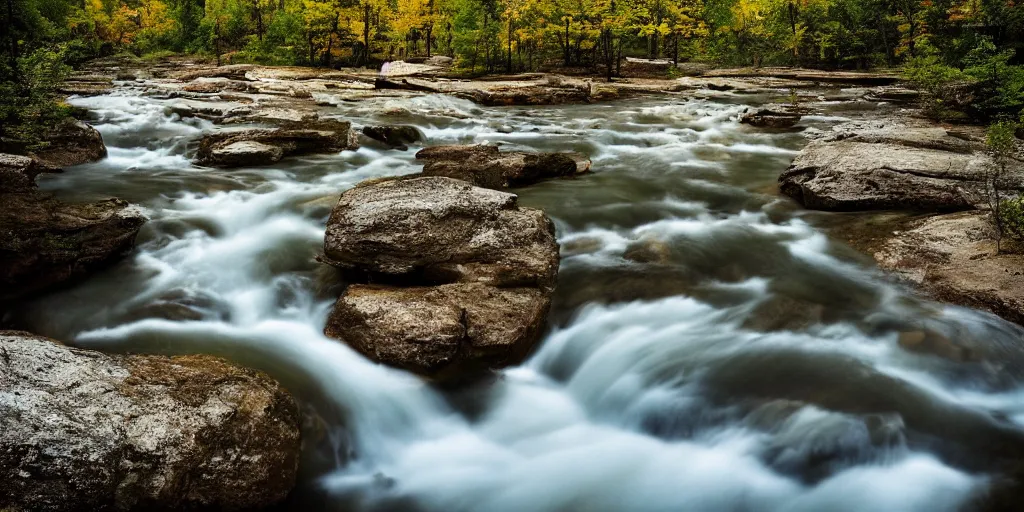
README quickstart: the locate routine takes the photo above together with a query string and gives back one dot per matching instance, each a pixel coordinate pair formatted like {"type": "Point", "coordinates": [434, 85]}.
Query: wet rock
{"type": "Point", "coordinates": [397, 136]}
{"type": "Point", "coordinates": [244, 153]}
{"type": "Point", "coordinates": [445, 332]}
{"type": "Point", "coordinates": [920, 168]}
{"type": "Point", "coordinates": [581, 245]}
{"type": "Point", "coordinates": [436, 229]}
{"type": "Point", "coordinates": [467, 275]}
{"type": "Point", "coordinates": [648, 251]}
{"type": "Point", "coordinates": [926, 341]}
{"type": "Point", "coordinates": [486, 166]}
{"type": "Point", "coordinates": [18, 173]}
{"type": "Point", "coordinates": [953, 258]}
{"type": "Point", "coordinates": [784, 313]}
{"type": "Point", "coordinates": [225, 149]}
{"type": "Point", "coordinates": [81, 430]}
{"type": "Point", "coordinates": [778, 118]}
{"type": "Point", "coordinates": [527, 95]}
{"type": "Point", "coordinates": [46, 242]}
{"type": "Point", "coordinates": [71, 142]}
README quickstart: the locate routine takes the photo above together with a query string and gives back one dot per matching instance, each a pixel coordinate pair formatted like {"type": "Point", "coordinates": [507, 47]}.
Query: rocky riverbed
{"type": "Point", "coordinates": [527, 293]}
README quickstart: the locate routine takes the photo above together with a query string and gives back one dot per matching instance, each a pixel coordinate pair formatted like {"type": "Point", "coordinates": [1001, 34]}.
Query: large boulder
{"type": "Point", "coordinates": [463, 275]}
{"type": "Point", "coordinates": [900, 167]}
{"type": "Point", "coordinates": [777, 117]}
{"type": "Point", "coordinates": [446, 332]}
{"type": "Point", "coordinates": [47, 242]}
{"type": "Point", "coordinates": [245, 153]}
{"type": "Point", "coordinates": [81, 430]}
{"type": "Point", "coordinates": [263, 146]}
{"type": "Point", "coordinates": [396, 136]}
{"type": "Point", "coordinates": [71, 142]}
{"type": "Point", "coordinates": [486, 166]}
{"type": "Point", "coordinates": [441, 230]}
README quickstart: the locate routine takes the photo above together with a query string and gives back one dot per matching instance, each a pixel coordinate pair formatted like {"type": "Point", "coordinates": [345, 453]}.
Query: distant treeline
{"type": "Point", "coordinates": [522, 35]}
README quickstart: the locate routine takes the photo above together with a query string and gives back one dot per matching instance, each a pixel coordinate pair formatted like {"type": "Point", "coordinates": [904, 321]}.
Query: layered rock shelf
{"type": "Point", "coordinates": [488, 166]}
{"type": "Point", "coordinates": [237, 148]}
{"type": "Point", "coordinates": [48, 243]}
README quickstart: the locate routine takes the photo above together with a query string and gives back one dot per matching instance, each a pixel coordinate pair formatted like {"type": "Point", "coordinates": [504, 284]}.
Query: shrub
{"type": "Point", "coordinates": [943, 86]}
{"type": "Point", "coordinates": [28, 100]}
{"type": "Point", "coordinates": [1011, 212]}
{"type": "Point", "coordinates": [1005, 212]}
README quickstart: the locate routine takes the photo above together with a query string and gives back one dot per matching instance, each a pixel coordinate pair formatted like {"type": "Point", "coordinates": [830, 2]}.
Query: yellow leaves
{"type": "Point", "coordinates": [155, 17]}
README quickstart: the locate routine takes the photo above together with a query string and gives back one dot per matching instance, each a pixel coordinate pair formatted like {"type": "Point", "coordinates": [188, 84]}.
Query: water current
{"type": "Point", "coordinates": [752, 364]}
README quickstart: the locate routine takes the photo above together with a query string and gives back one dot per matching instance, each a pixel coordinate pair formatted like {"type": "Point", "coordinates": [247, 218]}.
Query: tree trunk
{"type": "Point", "coordinates": [607, 42]}
{"type": "Point", "coordinates": [567, 54]}
{"type": "Point", "coordinates": [430, 25]}
{"type": "Point", "coordinates": [312, 53]}
{"type": "Point", "coordinates": [366, 34]}
{"type": "Point", "coordinates": [508, 63]}
{"type": "Point", "coordinates": [258, 16]}
{"type": "Point", "coordinates": [10, 36]}
{"type": "Point", "coordinates": [216, 41]}
{"type": "Point", "coordinates": [792, 24]}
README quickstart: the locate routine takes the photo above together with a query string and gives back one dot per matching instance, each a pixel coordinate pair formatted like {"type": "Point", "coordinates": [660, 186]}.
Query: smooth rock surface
{"type": "Point", "coordinates": [486, 166]}
{"type": "Point", "coordinates": [441, 230]}
{"type": "Point", "coordinates": [81, 430]}
{"type": "Point", "coordinates": [446, 332]}
{"type": "Point", "coordinates": [530, 95]}
{"type": "Point", "coordinates": [245, 152]}
{"type": "Point", "coordinates": [72, 142]}
{"type": "Point", "coordinates": [894, 166]}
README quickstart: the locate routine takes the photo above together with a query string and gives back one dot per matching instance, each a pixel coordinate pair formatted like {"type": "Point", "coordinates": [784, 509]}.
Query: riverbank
{"type": "Point", "coordinates": [938, 172]}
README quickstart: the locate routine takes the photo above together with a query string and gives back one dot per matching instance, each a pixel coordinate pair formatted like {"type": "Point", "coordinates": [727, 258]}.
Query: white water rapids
{"type": "Point", "coordinates": [661, 386]}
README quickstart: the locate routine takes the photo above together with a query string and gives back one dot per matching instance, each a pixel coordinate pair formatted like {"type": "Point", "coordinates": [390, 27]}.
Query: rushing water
{"type": "Point", "coordinates": [756, 366]}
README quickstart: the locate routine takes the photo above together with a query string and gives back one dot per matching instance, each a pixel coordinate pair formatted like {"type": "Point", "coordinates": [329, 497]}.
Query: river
{"type": "Point", "coordinates": [750, 362]}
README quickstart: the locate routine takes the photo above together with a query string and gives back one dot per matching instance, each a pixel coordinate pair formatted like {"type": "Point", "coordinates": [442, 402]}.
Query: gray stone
{"type": "Point", "coordinates": [81, 430]}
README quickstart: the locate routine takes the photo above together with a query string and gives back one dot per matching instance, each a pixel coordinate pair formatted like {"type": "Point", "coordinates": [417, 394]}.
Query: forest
{"type": "Point", "coordinates": [964, 53]}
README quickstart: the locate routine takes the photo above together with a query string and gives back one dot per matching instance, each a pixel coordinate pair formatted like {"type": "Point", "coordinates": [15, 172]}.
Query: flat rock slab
{"type": "Point", "coordinates": [441, 230]}
{"type": "Point", "coordinates": [246, 152]}
{"type": "Point", "coordinates": [487, 166]}
{"type": "Point", "coordinates": [81, 430]}
{"type": "Point", "coordinates": [264, 146]}
{"type": "Point", "coordinates": [445, 331]}
{"type": "Point", "coordinates": [953, 258]}
{"type": "Point", "coordinates": [898, 167]}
